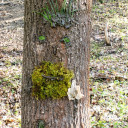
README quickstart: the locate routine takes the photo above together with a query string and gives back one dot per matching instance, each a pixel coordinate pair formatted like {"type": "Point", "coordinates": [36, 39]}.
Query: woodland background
{"type": "Point", "coordinates": [108, 64]}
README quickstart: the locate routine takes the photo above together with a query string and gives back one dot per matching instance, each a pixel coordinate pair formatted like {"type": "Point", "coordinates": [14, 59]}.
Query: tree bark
{"type": "Point", "coordinates": [60, 113]}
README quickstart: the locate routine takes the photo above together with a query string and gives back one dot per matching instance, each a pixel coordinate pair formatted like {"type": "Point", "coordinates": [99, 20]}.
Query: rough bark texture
{"type": "Point", "coordinates": [60, 113]}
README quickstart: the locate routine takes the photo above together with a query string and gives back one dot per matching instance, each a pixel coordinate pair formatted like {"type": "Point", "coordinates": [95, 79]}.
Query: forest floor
{"type": "Point", "coordinates": [11, 47]}
{"type": "Point", "coordinates": [108, 65]}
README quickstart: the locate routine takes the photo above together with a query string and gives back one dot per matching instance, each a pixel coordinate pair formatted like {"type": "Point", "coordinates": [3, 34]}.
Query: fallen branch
{"type": "Point", "coordinates": [53, 78]}
{"type": "Point", "coordinates": [106, 35]}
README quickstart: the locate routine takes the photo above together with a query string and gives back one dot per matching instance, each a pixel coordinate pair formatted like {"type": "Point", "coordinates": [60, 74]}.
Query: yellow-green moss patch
{"type": "Point", "coordinates": [51, 80]}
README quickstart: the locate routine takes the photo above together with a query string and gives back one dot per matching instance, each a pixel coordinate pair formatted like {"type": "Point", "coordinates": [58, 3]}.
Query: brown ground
{"type": "Point", "coordinates": [11, 42]}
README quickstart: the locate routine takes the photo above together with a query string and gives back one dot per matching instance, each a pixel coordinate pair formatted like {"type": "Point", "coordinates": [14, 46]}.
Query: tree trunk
{"type": "Point", "coordinates": [60, 113]}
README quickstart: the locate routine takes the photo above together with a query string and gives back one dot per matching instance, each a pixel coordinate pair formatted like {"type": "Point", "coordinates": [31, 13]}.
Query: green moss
{"type": "Point", "coordinates": [59, 17]}
{"type": "Point", "coordinates": [51, 80]}
{"type": "Point", "coordinates": [42, 38]}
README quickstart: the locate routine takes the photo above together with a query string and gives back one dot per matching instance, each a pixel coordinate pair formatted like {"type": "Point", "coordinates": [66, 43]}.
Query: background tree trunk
{"type": "Point", "coordinates": [60, 113]}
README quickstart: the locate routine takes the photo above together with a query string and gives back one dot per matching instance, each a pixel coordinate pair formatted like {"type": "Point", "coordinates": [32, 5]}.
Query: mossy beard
{"type": "Point", "coordinates": [51, 80]}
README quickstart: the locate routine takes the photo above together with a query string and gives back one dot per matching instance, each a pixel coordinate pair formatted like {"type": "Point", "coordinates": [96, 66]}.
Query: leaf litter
{"type": "Point", "coordinates": [108, 66]}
